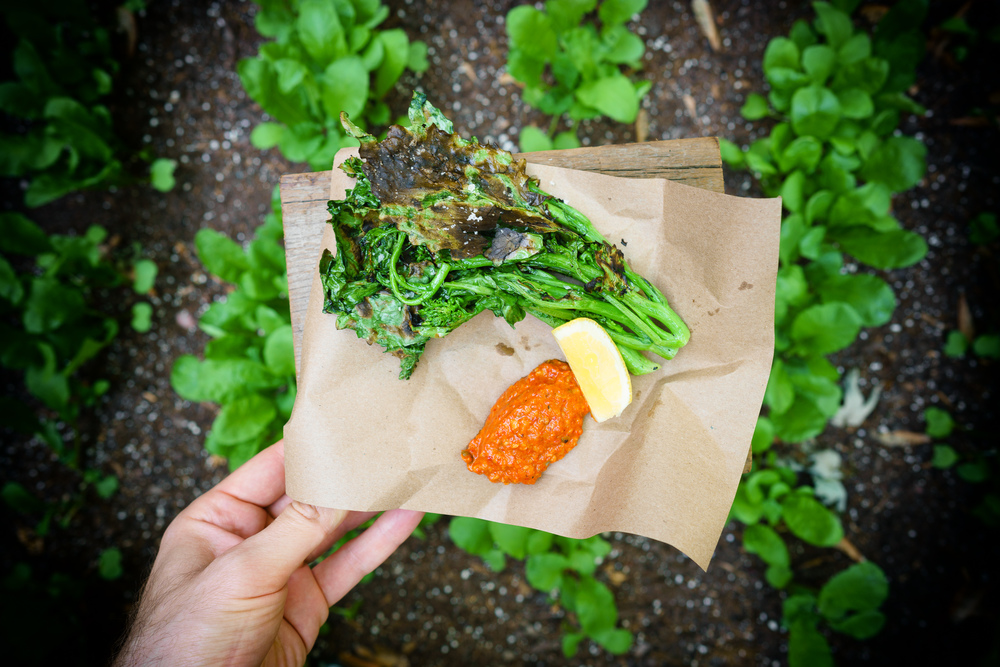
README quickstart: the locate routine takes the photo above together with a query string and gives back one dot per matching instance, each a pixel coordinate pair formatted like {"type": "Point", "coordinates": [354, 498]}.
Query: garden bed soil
{"type": "Point", "coordinates": [432, 604]}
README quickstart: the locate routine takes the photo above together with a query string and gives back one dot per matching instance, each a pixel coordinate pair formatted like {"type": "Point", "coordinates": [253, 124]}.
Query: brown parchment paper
{"type": "Point", "coordinates": [667, 468]}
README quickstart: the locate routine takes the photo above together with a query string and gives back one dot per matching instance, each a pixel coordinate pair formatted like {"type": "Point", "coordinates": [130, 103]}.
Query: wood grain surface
{"type": "Point", "coordinates": [694, 162]}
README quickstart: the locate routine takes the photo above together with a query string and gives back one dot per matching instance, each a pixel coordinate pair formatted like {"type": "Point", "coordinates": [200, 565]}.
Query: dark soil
{"type": "Point", "coordinates": [431, 603]}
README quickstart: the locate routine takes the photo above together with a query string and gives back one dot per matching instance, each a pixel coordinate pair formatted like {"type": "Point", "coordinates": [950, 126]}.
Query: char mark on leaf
{"type": "Point", "coordinates": [612, 263]}
{"type": "Point", "coordinates": [363, 309]}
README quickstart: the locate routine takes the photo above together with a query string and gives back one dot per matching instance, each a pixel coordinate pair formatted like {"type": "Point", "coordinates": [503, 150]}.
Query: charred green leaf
{"type": "Point", "coordinates": [438, 228]}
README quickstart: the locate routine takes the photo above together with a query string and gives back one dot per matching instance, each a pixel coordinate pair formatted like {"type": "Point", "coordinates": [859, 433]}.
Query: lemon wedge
{"type": "Point", "coordinates": [598, 366]}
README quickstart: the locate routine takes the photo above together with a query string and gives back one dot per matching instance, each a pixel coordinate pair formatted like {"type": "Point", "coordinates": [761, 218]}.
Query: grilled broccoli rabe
{"type": "Point", "coordinates": [438, 229]}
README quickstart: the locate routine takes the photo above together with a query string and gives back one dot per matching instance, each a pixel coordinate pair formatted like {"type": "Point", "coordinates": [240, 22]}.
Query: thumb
{"type": "Point", "coordinates": [264, 562]}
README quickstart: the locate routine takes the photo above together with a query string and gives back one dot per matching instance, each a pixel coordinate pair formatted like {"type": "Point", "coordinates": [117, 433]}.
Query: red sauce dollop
{"type": "Point", "coordinates": [534, 423]}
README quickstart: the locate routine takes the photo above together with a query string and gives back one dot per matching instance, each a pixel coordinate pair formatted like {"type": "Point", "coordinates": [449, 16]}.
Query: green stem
{"type": "Point", "coordinates": [399, 295]}
{"type": "Point", "coordinates": [631, 311]}
{"type": "Point", "coordinates": [477, 262]}
{"type": "Point", "coordinates": [552, 126]}
{"type": "Point", "coordinates": [569, 217]}
{"type": "Point", "coordinates": [469, 286]}
{"type": "Point", "coordinates": [637, 323]}
{"type": "Point", "coordinates": [619, 334]}
{"type": "Point", "coordinates": [395, 280]}
{"type": "Point", "coordinates": [636, 363]}
{"type": "Point", "coordinates": [568, 266]}
{"type": "Point", "coordinates": [438, 281]}
{"type": "Point", "coordinates": [551, 317]}
{"type": "Point", "coordinates": [579, 304]}
{"type": "Point", "coordinates": [663, 313]}
{"type": "Point", "coordinates": [648, 288]}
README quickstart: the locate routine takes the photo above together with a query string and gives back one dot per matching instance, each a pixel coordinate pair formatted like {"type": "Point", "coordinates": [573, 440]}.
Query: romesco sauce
{"type": "Point", "coordinates": [534, 423]}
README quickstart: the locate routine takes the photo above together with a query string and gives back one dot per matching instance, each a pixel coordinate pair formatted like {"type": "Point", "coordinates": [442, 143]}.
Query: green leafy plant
{"type": "Point", "coordinates": [939, 426]}
{"type": "Point", "coordinates": [957, 345]}
{"type": "Point", "coordinates": [109, 564]}
{"type": "Point", "coordinates": [161, 174]}
{"type": "Point", "coordinates": [48, 332]}
{"type": "Point", "coordinates": [983, 229]}
{"type": "Point", "coordinates": [326, 57]}
{"type": "Point", "coordinates": [53, 330]}
{"type": "Point", "coordinates": [939, 423]}
{"type": "Point", "coordinates": [771, 498]}
{"type": "Point", "coordinates": [63, 70]}
{"type": "Point", "coordinates": [249, 365]}
{"type": "Point", "coordinates": [835, 157]}
{"type": "Point", "coordinates": [987, 346]}
{"type": "Point", "coordinates": [944, 456]}
{"type": "Point", "coordinates": [563, 568]}
{"type": "Point", "coordinates": [570, 59]}
{"type": "Point", "coordinates": [143, 276]}
{"type": "Point", "coordinates": [980, 467]}
{"type": "Point", "coordinates": [962, 38]}
{"type": "Point", "coordinates": [49, 326]}
{"type": "Point", "coordinates": [142, 317]}
{"type": "Point", "coordinates": [60, 511]}
{"type": "Point", "coordinates": [848, 603]}
{"type": "Point", "coordinates": [838, 102]}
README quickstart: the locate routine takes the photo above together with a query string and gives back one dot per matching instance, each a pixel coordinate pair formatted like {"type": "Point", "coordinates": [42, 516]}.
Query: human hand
{"type": "Point", "coordinates": [231, 583]}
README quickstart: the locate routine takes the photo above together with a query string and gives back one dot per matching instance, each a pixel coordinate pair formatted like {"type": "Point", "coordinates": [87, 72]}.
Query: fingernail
{"type": "Point", "coordinates": [306, 510]}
